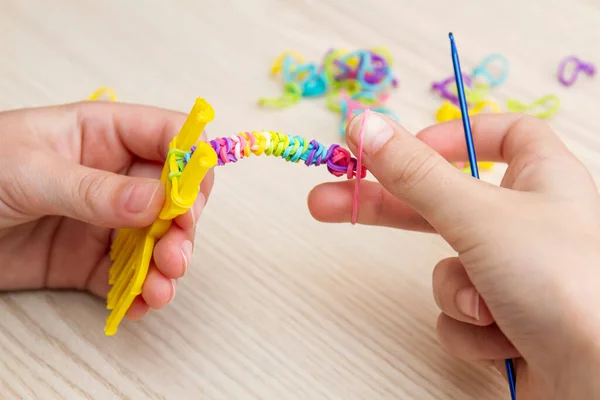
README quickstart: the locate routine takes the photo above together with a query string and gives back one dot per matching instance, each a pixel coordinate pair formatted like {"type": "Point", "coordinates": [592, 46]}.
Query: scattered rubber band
{"type": "Point", "coordinates": [278, 63]}
{"type": "Point", "coordinates": [291, 96]}
{"type": "Point", "coordinates": [475, 92]}
{"type": "Point", "coordinates": [442, 87]}
{"type": "Point", "coordinates": [350, 107]}
{"type": "Point", "coordinates": [474, 95]}
{"type": "Point", "coordinates": [449, 111]}
{"type": "Point", "coordinates": [580, 67]}
{"type": "Point", "coordinates": [480, 106]}
{"type": "Point", "coordinates": [483, 71]}
{"type": "Point", "coordinates": [482, 165]}
{"type": "Point", "coordinates": [548, 106]}
{"type": "Point", "coordinates": [103, 91]}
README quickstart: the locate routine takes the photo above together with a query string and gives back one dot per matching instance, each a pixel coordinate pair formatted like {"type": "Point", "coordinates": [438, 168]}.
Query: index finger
{"type": "Point", "coordinates": [524, 142]}
{"type": "Point", "coordinates": [497, 137]}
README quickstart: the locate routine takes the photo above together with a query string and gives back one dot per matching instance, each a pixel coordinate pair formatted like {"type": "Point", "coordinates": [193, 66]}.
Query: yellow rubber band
{"type": "Point", "coordinates": [548, 105]}
{"type": "Point", "coordinates": [103, 91]}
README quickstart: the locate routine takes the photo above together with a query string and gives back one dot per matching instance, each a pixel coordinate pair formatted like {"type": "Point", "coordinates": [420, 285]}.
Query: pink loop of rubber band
{"type": "Point", "coordinates": [358, 167]}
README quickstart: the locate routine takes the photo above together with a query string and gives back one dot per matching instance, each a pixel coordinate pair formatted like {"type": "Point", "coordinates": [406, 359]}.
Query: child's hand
{"type": "Point", "coordinates": [525, 282]}
{"type": "Point", "coordinates": [69, 176]}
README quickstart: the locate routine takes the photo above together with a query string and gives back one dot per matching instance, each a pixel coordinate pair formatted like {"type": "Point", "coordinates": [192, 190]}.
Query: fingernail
{"type": "Point", "coordinates": [137, 197]}
{"type": "Point", "coordinates": [467, 302]}
{"type": "Point", "coordinates": [377, 131]}
{"type": "Point", "coordinates": [355, 123]}
{"type": "Point", "coordinates": [186, 253]}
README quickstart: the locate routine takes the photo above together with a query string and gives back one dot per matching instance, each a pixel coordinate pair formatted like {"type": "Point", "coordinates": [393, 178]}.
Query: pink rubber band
{"type": "Point", "coordinates": [358, 167]}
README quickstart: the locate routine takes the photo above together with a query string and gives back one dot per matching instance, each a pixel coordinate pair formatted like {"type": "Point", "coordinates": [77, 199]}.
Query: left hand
{"type": "Point", "coordinates": [70, 176]}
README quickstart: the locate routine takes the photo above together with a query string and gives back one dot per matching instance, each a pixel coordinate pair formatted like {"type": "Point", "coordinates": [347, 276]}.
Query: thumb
{"type": "Point", "coordinates": [95, 196]}
{"type": "Point", "coordinates": [413, 172]}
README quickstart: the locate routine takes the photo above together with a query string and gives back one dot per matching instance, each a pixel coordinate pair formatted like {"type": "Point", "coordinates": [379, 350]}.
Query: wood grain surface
{"type": "Point", "coordinates": [275, 305]}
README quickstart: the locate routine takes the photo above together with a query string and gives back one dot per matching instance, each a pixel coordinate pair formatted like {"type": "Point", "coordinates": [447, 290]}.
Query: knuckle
{"type": "Point", "coordinates": [91, 187]}
{"type": "Point", "coordinates": [519, 134]}
{"type": "Point", "coordinates": [417, 169]}
{"type": "Point", "coordinates": [527, 120]}
{"type": "Point", "coordinates": [377, 204]}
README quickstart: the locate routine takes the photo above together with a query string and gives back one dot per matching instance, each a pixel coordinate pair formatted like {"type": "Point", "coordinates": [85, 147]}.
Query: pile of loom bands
{"type": "Point", "coordinates": [350, 81]}
{"type": "Point", "coordinates": [291, 148]}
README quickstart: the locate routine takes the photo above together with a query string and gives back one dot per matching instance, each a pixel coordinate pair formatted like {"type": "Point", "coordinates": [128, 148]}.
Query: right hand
{"type": "Point", "coordinates": [525, 282]}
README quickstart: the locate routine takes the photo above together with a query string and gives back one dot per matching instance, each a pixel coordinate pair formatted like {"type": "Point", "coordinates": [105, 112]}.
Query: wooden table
{"type": "Point", "coordinates": [276, 305]}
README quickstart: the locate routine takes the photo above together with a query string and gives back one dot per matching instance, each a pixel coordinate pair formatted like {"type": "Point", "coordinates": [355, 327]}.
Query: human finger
{"type": "Point", "coordinates": [473, 343]}
{"type": "Point", "coordinates": [456, 296]}
{"type": "Point", "coordinates": [173, 252]}
{"type": "Point", "coordinates": [332, 202]}
{"type": "Point", "coordinates": [412, 171]}
{"type": "Point", "coordinates": [521, 141]}
{"type": "Point", "coordinates": [158, 290]}
{"type": "Point", "coordinates": [138, 309]}
{"type": "Point", "coordinates": [55, 186]}
{"type": "Point", "coordinates": [145, 131]}
{"type": "Point", "coordinates": [497, 137]}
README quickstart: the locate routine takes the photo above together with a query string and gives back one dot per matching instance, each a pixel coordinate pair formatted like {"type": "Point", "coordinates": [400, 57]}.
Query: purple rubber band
{"type": "Point", "coordinates": [228, 145]}
{"type": "Point", "coordinates": [310, 157]}
{"type": "Point", "coordinates": [316, 157]}
{"type": "Point", "coordinates": [441, 87]}
{"type": "Point", "coordinates": [341, 65]}
{"type": "Point", "coordinates": [332, 166]}
{"type": "Point", "coordinates": [376, 77]}
{"type": "Point", "coordinates": [580, 66]}
{"type": "Point", "coordinates": [317, 146]}
{"type": "Point", "coordinates": [215, 146]}
{"type": "Point", "coordinates": [330, 151]}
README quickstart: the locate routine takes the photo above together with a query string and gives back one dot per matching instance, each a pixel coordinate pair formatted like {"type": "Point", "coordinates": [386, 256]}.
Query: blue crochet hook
{"type": "Point", "coordinates": [510, 368]}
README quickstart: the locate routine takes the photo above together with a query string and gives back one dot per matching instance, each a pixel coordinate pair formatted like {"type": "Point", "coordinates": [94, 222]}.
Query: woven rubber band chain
{"type": "Point", "coordinates": [187, 163]}
{"type": "Point", "coordinates": [338, 160]}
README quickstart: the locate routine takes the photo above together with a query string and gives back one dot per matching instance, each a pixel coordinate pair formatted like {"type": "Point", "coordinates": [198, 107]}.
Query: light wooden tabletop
{"type": "Point", "coordinates": [276, 305]}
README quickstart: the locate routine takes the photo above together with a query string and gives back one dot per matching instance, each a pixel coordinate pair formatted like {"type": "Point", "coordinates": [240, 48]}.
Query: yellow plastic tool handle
{"type": "Point", "coordinates": [183, 190]}
{"type": "Point", "coordinates": [201, 114]}
{"type": "Point", "coordinates": [133, 248]}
